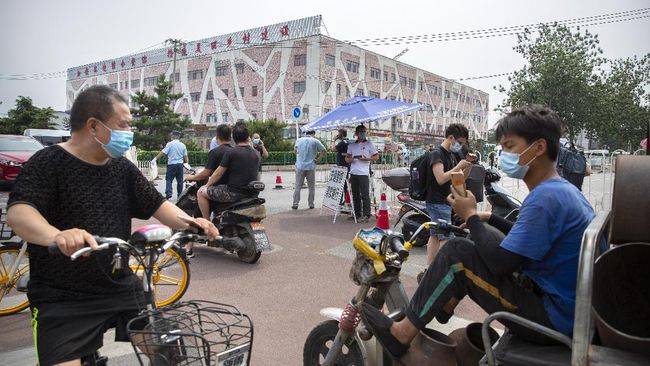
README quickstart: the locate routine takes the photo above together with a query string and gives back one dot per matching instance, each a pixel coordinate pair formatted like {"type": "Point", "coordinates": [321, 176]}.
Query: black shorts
{"type": "Point", "coordinates": [68, 330]}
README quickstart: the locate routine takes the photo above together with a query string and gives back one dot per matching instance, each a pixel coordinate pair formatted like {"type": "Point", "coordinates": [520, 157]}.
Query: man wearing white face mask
{"type": "Point", "coordinates": [443, 161]}
{"type": "Point", "coordinates": [542, 247]}
{"type": "Point", "coordinates": [67, 193]}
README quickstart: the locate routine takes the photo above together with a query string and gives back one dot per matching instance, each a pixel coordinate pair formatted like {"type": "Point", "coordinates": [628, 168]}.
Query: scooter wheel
{"type": "Point", "coordinates": [249, 254]}
{"type": "Point", "coordinates": [320, 340]}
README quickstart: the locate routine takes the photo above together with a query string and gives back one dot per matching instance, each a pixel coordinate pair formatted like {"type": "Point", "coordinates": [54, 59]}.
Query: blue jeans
{"type": "Point", "coordinates": [174, 171]}
{"type": "Point", "coordinates": [439, 211]}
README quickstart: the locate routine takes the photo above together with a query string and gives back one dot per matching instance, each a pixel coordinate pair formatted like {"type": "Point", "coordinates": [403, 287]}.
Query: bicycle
{"type": "Point", "coordinates": [186, 333]}
{"type": "Point", "coordinates": [171, 276]}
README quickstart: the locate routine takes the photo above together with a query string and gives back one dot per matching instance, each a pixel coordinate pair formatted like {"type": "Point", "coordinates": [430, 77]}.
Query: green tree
{"type": "Point", "coordinates": [25, 116]}
{"type": "Point", "coordinates": [154, 119]}
{"type": "Point", "coordinates": [271, 132]}
{"type": "Point", "coordinates": [561, 72]}
{"type": "Point", "coordinates": [624, 103]}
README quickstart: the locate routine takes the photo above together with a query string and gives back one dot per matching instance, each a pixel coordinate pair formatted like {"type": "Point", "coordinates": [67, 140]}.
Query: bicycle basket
{"type": "Point", "coordinates": [192, 333]}
{"type": "Point", "coordinates": [5, 230]}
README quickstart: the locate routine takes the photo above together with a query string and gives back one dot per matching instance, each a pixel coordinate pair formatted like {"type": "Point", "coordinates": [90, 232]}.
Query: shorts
{"type": "Point", "coordinates": [439, 211]}
{"type": "Point", "coordinates": [222, 193]}
{"type": "Point", "coordinates": [68, 330]}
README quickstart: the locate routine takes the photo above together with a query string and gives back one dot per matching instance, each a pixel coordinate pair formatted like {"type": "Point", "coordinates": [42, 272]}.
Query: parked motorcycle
{"type": "Point", "coordinates": [413, 213]}
{"type": "Point", "coordinates": [342, 340]}
{"type": "Point", "coordinates": [239, 223]}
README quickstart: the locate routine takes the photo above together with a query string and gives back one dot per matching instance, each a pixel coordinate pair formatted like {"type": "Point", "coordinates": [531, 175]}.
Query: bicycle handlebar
{"type": "Point", "coordinates": [440, 225]}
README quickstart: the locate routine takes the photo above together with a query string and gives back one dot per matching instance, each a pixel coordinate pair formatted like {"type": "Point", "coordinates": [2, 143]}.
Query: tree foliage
{"type": "Point", "coordinates": [154, 119]}
{"type": "Point", "coordinates": [271, 132]}
{"type": "Point", "coordinates": [25, 115]}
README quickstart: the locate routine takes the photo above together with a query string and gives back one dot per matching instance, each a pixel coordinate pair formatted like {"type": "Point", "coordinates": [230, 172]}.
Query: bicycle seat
{"type": "Point", "coordinates": [252, 201]}
{"type": "Point", "coordinates": [150, 234]}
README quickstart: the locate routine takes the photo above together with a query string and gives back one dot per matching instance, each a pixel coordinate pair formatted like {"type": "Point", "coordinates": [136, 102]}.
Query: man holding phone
{"type": "Point", "coordinates": [360, 154]}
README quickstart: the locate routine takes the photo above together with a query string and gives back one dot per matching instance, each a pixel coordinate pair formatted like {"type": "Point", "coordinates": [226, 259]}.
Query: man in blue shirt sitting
{"type": "Point", "coordinates": [542, 247]}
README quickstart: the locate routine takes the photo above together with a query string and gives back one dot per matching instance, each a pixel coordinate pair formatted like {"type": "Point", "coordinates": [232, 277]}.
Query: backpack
{"type": "Point", "coordinates": [571, 165]}
{"type": "Point", "coordinates": [418, 174]}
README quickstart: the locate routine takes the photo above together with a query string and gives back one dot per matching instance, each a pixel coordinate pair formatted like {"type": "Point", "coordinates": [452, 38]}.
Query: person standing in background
{"type": "Point", "coordinates": [340, 147]}
{"type": "Point", "coordinates": [176, 155]}
{"type": "Point", "coordinates": [360, 153]}
{"type": "Point", "coordinates": [258, 145]}
{"type": "Point", "coordinates": [306, 149]}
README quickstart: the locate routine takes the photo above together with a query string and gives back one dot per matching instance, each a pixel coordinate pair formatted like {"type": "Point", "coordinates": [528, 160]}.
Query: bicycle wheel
{"type": "Point", "coordinates": [171, 276]}
{"type": "Point", "coordinates": [12, 300]}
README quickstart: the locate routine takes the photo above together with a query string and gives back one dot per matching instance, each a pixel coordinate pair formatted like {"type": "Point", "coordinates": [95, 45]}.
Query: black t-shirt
{"type": "Point", "coordinates": [258, 148]}
{"type": "Point", "coordinates": [215, 157]}
{"type": "Point", "coordinates": [242, 162]}
{"type": "Point", "coordinates": [102, 200]}
{"type": "Point", "coordinates": [438, 193]}
{"type": "Point", "coordinates": [341, 152]}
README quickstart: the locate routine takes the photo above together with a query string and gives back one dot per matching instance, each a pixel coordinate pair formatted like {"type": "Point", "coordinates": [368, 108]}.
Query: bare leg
{"type": "Point", "coordinates": [433, 246]}
{"type": "Point", "coordinates": [204, 204]}
{"type": "Point", "coordinates": [404, 331]}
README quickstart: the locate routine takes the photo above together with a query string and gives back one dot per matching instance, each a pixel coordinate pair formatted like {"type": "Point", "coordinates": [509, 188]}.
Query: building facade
{"type": "Point", "coordinates": [265, 72]}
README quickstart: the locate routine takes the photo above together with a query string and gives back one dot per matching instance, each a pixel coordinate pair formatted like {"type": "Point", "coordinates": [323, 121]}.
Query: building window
{"type": "Point", "coordinates": [447, 94]}
{"type": "Point", "coordinates": [300, 60]}
{"type": "Point", "coordinates": [254, 91]}
{"type": "Point", "coordinates": [392, 77]}
{"type": "Point", "coordinates": [352, 66]}
{"type": "Point", "coordinates": [195, 97]}
{"type": "Point", "coordinates": [209, 95]}
{"type": "Point", "coordinates": [135, 84]}
{"type": "Point", "coordinates": [392, 97]}
{"type": "Point", "coordinates": [175, 76]}
{"type": "Point", "coordinates": [225, 91]}
{"type": "Point", "coordinates": [113, 85]}
{"type": "Point", "coordinates": [358, 93]}
{"type": "Point", "coordinates": [330, 60]}
{"type": "Point", "coordinates": [221, 70]}
{"type": "Point", "coordinates": [211, 117]}
{"type": "Point", "coordinates": [421, 85]}
{"type": "Point", "coordinates": [239, 68]}
{"type": "Point", "coordinates": [328, 84]}
{"type": "Point", "coordinates": [411, 83]}
{"type": "Point", "coordinates": [224, 115]}
{"type": "Point", "coordinates": [347, 91]}
{"type": "Point", "coordinates": [150, 81]}
{"type": "Point", "coordinates": [241, 91]}
{"type": "Point", "coordinates": [298, 86]}
{"type": "Point", "coordinates": [338, 89]}
{"type": "Point", "coordinates": [375, 73]}
{"type": "Point", "coordinates": [326, 110]}
{"type": "Point", "coordinates": [374, 94]}
{"type": "Point", "coordinates": [455, 95]}
{"type": "Point", "coordinates": [254, 114]}
{"type": "Point", "coordinates": [385, 75]}
{"type": "Point", "coordinates": [403, 80]}
{"type": "Point", "coordinates": [195, 75]}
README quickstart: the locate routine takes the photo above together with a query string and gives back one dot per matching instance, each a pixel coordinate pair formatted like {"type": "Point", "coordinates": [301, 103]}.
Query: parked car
{"type": "Point", "coordinates": [15, 150]}
{"type": "Point", "coordinates": [598, 159]}
{"type": "Point", "coordinates": [48, 137]}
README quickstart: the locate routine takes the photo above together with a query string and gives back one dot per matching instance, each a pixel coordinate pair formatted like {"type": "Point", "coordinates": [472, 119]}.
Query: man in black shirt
{"type": "Point", "coordinates": [67, 193]}
{"type": "Point", "coordinates": [241, 162]}
{"type": "Point", "coordinates": [443, 161]}
{"type": "Point", "coordinates": [215, 156]}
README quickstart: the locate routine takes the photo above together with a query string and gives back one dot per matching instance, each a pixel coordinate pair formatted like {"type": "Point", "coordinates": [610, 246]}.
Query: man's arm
{"type": "Point", "coordinates": [265, 154]}
{"type": "Point", "coordinates": [500, 261]}
{"type": "Point", "coordinates": [375, 157]}
{"type": "Point", "coordinates": [443, 177]}
{"type": "Point", "coordinates": [168, 214]}
{"type": "Point", "coordinates": [202, 175]}
{"type": "Point", "coordinates": [320, 156]}
{"type": "Point", "coordinates": [216, 176]}
{"type": "Point", "coordinates": [185, 158]}
{"type": "Point", "coordinates": [30, 225]}
{"type": "Point", "coordinates": [160, 154]}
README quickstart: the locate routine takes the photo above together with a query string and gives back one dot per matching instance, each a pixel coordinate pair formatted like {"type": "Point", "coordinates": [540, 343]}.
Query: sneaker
{"type": "Point", "coordinates": [190, 254]}
{"type": "Point", "coordinates": [311, 207]}
{"type": "Point", "coordinates": [294, 207]}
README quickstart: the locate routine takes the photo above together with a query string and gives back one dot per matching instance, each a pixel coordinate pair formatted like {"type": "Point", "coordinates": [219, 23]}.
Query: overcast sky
{"type": "Point", "coordinates": [50, 36]}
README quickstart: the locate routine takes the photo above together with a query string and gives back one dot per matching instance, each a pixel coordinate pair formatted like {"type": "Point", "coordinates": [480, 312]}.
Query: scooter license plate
{"type": "Point", "coordinates": [237, 356]}
{"type": "Point", "coordinates": [259, 235]}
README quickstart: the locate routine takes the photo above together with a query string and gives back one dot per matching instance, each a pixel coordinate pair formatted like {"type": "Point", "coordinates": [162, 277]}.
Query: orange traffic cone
{"type": "Point", "coordinates": [382, 214]}
{"type": "Point", "coordinates": [278, 182]}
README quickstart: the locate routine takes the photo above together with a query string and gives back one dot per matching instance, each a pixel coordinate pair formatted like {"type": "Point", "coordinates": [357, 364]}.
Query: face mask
{"type": "Point", "coordinates": [256, 141]}
{"type": "Point", "coordinates": [118, 144]}
{"type": "Point", "coordinates": [362, 135]}
{"type": "Point", "coordinates": [456, 147]}
{"type": "Point", "coordinates": [509, 163]}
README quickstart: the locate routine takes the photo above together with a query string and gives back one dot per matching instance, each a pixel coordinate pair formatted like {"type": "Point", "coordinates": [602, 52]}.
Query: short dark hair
{"type": "Point", "coordinates": [224, 132]}
{"type": "Point", "coordinates": [359, 128]}
{"type": "Point", "coordinates": [96, 101]}
{"type": "Point", "coordinates": [533, 122]}
{"type": "Point", "coordinates": [343, 132]}
{"type": "Point", "coordinates": [310, 132]}
{"type": "Point", "coordinates": [240, 133]}
{"type": "Point", "coordinates": [457, 130]}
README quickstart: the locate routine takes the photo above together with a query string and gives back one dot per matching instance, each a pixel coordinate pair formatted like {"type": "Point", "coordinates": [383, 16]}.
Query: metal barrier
{"type": "Point", "coordinates": [149, 169]}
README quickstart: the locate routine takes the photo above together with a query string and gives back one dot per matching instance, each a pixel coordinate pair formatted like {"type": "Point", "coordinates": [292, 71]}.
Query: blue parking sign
{"type": "Point", "coordinates": [296, 112]}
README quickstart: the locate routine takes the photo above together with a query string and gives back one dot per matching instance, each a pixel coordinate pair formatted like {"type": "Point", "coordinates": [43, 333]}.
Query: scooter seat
{"type": "Point", "coordinates": [513, 350]}
{"type": "Point", "coordinates": [220, 207]}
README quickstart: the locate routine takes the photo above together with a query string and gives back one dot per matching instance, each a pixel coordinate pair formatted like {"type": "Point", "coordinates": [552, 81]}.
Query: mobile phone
{"type": "Point", "coordinates": [458, 181]}
{"type": "Point", "coordinates": [471, 157]}
{"type": "Point", "coordinates": [358, 156]}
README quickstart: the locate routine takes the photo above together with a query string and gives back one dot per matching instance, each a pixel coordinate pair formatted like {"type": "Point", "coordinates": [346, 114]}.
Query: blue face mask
{"type": "Point", "coordinates": [362, 136]}
{"type": "Point", "coordinates": [509, 164]}
{"type": "Point", "coordinates": [119, 143]}
{"type": "Point", "coordinates": [456, 147]}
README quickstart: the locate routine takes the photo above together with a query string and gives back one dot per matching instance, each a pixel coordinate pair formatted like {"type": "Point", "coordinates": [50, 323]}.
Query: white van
{"type": "Point", "coordinates": [48, 137]}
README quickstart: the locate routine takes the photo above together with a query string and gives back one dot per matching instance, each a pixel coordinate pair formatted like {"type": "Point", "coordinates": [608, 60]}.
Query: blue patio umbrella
{"type": "Point", "coordinates": [359, 110]}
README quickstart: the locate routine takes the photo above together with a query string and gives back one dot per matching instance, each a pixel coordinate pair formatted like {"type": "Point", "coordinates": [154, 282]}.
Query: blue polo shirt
{"type": "Point", "coordinates": [548, 232]}
{"type": "Point", "coordinates": [307, 148]}
{"type": "Point", "coordinates": [175, 151]}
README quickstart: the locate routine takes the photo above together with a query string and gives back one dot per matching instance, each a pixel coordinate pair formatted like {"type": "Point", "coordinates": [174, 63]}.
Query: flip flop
{"type": "Point", "coordinates": [379, 324]}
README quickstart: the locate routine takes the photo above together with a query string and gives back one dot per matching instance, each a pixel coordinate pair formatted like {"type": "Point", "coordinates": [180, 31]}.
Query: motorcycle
{"type": "Point", "coordinates": [413, 213]}
{"type": "Point", "coordinates": [342, 340]}
{"type": "Point", "coordinates": [239, 223]}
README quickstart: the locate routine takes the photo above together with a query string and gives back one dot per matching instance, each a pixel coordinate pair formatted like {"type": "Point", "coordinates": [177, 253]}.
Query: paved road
{"type": "Point", "coordinates": [283, 292]}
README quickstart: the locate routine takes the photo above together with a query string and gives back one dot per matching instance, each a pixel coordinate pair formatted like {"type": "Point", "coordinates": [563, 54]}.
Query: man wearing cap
{"type": "Point", "coordinates": [176, 155]}
{"type": "Point", "coordinates": [306, 149]}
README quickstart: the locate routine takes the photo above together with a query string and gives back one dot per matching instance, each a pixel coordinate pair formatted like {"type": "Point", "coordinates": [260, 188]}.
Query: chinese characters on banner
{"type": "Point", "coordinates": [334, 189]}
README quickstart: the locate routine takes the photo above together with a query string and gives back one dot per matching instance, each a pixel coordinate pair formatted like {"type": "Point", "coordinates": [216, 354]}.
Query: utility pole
{"type": "Point", "coordinates": [175, 43]}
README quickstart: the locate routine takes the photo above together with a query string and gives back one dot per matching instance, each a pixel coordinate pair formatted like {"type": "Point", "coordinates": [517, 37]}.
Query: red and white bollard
{"type": "Point", "coordinates": [383, 221]}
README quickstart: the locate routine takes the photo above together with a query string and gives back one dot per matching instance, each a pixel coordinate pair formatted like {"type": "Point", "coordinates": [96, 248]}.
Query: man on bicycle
{"type": "Point", "coordinates": [542, 246]}
{"type": "Point", "coordinates": [67, 193]}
